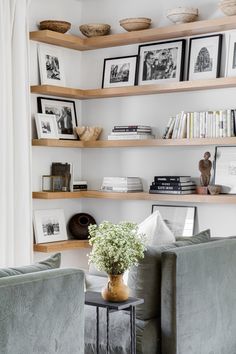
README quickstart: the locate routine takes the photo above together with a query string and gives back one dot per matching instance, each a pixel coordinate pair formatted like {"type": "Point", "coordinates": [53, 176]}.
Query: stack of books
{"type": "Point", "coordinates": [172, 185]}
{"type": "Point", "coordinates": [131, 132]}
{"type": "Point", "coordinates": [122, 184]}
{"type": "Point", "coordinates": [80, 185]}
{"type": "Point", "coordinates": [210, 124]}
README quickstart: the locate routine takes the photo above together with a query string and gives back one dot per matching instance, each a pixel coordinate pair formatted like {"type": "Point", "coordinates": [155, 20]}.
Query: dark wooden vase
{"type": "Point", "coordinates": [115, 290]}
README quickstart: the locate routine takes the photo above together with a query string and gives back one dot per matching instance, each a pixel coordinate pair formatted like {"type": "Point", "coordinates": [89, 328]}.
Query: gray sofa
{"type": "Point", "coordinates": [41, 312]}
{"type": "Point", "coordinates": [190, 301]}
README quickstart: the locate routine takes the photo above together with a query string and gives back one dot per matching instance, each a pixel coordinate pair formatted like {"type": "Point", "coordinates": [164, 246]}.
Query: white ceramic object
{"type": "Point", "coordinates": [182, 14]}
{"type": "Point", "coordinates": [135, 24]}
{"type": "Point", "coordinates": [228, 7]}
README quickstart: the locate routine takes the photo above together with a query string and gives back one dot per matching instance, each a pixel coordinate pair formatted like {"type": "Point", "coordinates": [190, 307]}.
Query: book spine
{"type": "Point", "coordinates": [171, 179]}
{"type": "Point", "coordinates": [130, 130]}
{"type": "Point", "coordinates": [177, 184]}
{"type": "Point", "coordinates": [170, 131]}
{"type": "Point", "coordinates": [228, 124]}
{"type": "Point", "coordinates": [132, 127]}
{"type": "Point", "coordinates": [171, 192]}
{"type": "Point", "coordinates": [172, 188]}
{"type": "Point", "coordinates": [167, 128]}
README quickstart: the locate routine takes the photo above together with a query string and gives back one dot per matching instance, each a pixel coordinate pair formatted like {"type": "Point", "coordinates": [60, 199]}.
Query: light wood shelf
{"type": "Point", "coordinates": [189, 198]}
{"type": "Point", "coordinates": [126, 38]}
{"type": "Point", "coordinates": [132, 143]}
{"type": "Point", "coordinates": [183, 86]}
{"type": "Point", "coordinates": [61, 246]}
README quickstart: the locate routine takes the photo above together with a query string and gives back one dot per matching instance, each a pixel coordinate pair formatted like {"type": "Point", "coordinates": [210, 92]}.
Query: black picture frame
{"type": "Point", "coordinates": [119, 79]}
{"type": "Point", "coordinates": [65, 112]}
{"type": "Point", "coordinates": [188, 230]}
{"type": "Point", "coordinates": [160, 74]}
{"type": "Point", "coordinates": [218, 60]}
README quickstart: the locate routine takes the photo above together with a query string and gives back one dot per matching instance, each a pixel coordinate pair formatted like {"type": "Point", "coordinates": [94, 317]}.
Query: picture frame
{"type": "Point", "coordinates": [204, 57]}
{"type": "Point", "coordinates": [46, 125]}
{"type": "Point", "coordinates": [225, 168]}
{"type": "Point", "coordinates": [120, 71]}
{"type": "Point", "coordinates": [51, 66]}
{"type": "Point", "coordinates": [49, 225]}
{"type": "Point", "coordinates": [230, 70]}
{"type": "Point", "coordinates": [161, 62]}
{"type": "Point", "coordinates": [180, 219]}
{"type": "Point", "coordinates": [65, 113]}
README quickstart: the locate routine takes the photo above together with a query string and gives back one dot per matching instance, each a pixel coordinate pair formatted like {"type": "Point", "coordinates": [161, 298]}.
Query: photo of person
{"type": "Point", "coordinates": [204, 61]}
{"type": "Point", "coordinates": [46, 128]}
{"type": "Point", "coordinates": [52, 67]}
{"type": "Point", "coordinates": [50, 227]}
{"type": "Point", "coordinates": [120, 73]}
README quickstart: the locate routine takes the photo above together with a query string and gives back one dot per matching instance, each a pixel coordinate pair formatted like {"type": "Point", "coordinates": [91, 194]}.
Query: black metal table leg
{"type": "Point", "coordinates": [134, 329]}
{"type": "Point", "coordinates": [107, 330]}
{"type": "Point", "coordinates": [97, 327]}
{"type": "Point", "coordinates": [131, 329]}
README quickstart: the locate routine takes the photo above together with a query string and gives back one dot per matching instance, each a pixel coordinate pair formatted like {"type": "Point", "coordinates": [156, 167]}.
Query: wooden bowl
{"type": "Point", "coordinates": [214, 189]}
{"type": "Point", "coordinates": [182, 15]}
{"type": "Point", "coordinates": [135, 24]}
{"type": "Point", "coordinates": [228, 7]}
{"type": "Point", "coordinates": [95, 29]}
{"type": "Point", "coordinates": [56, 26]}
{"type": "Point", "coordinates": [88, 133]}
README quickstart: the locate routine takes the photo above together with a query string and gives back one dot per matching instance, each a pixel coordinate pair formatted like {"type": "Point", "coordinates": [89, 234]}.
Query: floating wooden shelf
{"type": "Point", "coordinates": [61, 246]}
{"type": "Point", "coordinates": [132, 143]}
{"type": "Point", "coordinates": [182, 86]}
{"type": "Point", "coordinates": [189, 198]}
{"type": "Point", "coordinates": [121, 39]}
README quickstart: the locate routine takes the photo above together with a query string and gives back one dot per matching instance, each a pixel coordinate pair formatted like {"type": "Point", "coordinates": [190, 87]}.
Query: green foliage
{"type": "Point", "coordinates": [116, 247]}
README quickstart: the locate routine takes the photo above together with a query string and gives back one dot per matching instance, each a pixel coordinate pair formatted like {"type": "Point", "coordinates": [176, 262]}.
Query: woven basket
{"type": "Point", "coordinates": [56, 26]}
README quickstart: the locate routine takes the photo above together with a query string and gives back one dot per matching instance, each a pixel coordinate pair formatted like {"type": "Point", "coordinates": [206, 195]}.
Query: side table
{"type": "Point", "coordinates": [93, 298]}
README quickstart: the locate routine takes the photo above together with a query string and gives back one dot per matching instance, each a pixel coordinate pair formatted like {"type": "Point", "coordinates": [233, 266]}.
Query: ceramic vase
{"type": "Point", "coordinates": [115, 290]}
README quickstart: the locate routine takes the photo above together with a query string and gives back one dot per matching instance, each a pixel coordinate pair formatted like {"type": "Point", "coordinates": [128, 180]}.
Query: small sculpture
{"type": "Point", "coordinates": [205, 166]}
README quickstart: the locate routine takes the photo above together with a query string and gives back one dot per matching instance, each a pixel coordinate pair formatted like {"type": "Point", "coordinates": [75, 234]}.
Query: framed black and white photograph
{"type": "Point", "coordinates": [46, 125]}
{"type": "Point", "coordinates": [119, 72]}
{"type": "Point", "coordinates": [51, 65]}
{"type": "Point", "coordinates": [179, 219]}
{"type": "Point", "coordinates": [204, 57]}
{"type": "Point", "coordinates": [65, 113]}
{"type": "Point", "coordinates": [231, 56]}
{"type": "Point", "coordinates": [161, 62]}
{"type": "Point", "coordinates": [49, 225]}
{"type": "Point", "coordinates": [225, 168]}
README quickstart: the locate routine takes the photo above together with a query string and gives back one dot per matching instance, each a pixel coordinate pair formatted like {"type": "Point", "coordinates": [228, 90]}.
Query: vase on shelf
{"type": "Point", "coordinates": [115, 290]}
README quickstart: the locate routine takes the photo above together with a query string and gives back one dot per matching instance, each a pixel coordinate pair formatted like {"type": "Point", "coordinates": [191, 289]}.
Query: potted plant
{"type": "Point", "coordinates": [116, 247]}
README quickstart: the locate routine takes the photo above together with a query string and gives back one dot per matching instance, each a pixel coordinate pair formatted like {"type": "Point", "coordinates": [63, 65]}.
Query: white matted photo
{"type": "Point", "coordinates": [46, 125]}
{"type": "Point", "coordinates": [204, 57]}
{"type": "Point", "coordinates": [118, 72]}
{"type": "Point", "coordinates": [51, 65]}
{"type": "Point", "coordinates": [161, 62]}
{"type": "Point", "coordinates": [65, 113]}
{"type": "Point", "coordinates": [231, 56]}
{"type": "Point", "coordinates": [49, 225]}
{"type": "Point", "coordinates": [225, 168]}
{"type": "Point", "coordinates": [179, 219]}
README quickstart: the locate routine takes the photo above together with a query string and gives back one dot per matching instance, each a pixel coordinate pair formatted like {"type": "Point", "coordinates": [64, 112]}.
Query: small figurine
{"type": "Point", "coordinates": [205, 166]}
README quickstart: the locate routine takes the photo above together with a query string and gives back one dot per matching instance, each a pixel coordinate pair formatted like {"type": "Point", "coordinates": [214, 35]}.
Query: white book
{"type": "Point", "coordinates": [228, 124]}
{"type": "Point", "coordinates": [214, 124]}
{"type": "Point", "coordinates": [180, 125]}
{"type": "Point", "coordinates": [224, 124]}
{"type": "Point", "coordinates": [217, 124]}
{"type": "Point", "coordinates": [130, 137]}
{"type": "Point", "coordinates": [170, 131]}
{"type": "Point", "coordinates": [183, 132]}
{"type": "Point", "coordinates": [131, 133]}
{"type": "Point", "coordinates": [188, 125]}
{"type": "Point", "coordinates": [176, 127]}
{"type": "Point", "coordinates": [221, 125]}
{"type": "Point", "coordinates": [167, 128]}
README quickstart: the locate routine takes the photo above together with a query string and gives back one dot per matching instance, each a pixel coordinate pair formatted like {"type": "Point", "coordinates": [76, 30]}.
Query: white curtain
{"type": "Point", "coordinates": [15, 140]}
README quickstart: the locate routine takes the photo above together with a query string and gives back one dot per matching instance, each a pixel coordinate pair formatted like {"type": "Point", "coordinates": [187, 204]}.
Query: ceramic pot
{"type": "Point", "coordinates": [115, 290]}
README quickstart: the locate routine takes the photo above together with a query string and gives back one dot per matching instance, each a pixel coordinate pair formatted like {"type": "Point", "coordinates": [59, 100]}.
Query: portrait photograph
{"type": "Point", "coordinates": [46, 126]}
{"type": "Point", "coordinates": [118, 72]}
{"type": "Point", "coordinates": [231, 56]}
{"type": "Point", "coordinates": [51, 65]}
{"type": "Point", "coordinates": [204, 57]}
{"type": "Point", "coordinates": [49, 225]}
{"type": "Point", "coordinates": [65, 113]}
{"type": "Point", "coordinates": [179, 219]}
{"type": "Point", "coordinates": [161, 62]}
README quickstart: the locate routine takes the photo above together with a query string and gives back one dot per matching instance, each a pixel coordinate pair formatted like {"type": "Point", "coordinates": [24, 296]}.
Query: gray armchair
{"type": "Point", "coordinates": [42, 313]}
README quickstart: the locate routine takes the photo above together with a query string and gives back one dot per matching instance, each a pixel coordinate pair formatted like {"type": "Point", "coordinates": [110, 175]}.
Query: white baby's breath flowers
{"type": "Point", "coordinates": [116, 247]}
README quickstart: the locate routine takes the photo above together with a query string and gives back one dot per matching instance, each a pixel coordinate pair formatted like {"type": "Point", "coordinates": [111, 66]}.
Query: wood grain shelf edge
{"type": "Point", "coordinates": [61, 246]}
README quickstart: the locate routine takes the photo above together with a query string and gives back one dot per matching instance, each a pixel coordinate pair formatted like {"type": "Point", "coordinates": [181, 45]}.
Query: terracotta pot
{"type": "Point", "coordinates": [115, 290]}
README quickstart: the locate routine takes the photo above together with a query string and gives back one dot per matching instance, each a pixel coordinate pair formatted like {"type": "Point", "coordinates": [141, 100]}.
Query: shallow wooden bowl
{"type": "Point", "coordinates": [135, 24]}
{"type": "Point", "coordinates": [88, 133]}
{"type": "Point", "coordinates": [182, 15]}
{"type": "Point", "coordinates": [95, 29]}
{"type": "Point", "coordinates": [56, 26]}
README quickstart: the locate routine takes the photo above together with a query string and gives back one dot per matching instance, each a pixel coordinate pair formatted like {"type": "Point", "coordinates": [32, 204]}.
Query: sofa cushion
{"type": "Point", "coordinates": [95, 282]}
{"type": "Point", "coordinates": [145, 280]}
{"type": "Point", "coordinates": [49, 263]}
{"type": "Point", "coordinates": [156, 230]}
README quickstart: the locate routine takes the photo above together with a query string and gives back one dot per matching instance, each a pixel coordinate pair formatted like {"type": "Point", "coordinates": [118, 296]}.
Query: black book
{"type": "Point", "coordinates": [172, 188]}
{"type": "Point", "coordinates": [177, 184]}
{"type": "Point", "coordinates": [142, 130]}
{"type": "Point", "coordinates": [132, 126]}
{"type": "Point", "coordinates": [190, 191]}
{"type": "Point", "coordinates": [172, 179]}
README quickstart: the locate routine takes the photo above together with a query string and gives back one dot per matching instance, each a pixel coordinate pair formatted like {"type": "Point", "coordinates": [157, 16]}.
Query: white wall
{"type": "Point", "coordinates": [85, 70]}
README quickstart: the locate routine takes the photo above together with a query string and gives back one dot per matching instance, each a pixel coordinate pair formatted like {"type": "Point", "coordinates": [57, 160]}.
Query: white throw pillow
{"type": "Point", "coordinates": [156, 230]}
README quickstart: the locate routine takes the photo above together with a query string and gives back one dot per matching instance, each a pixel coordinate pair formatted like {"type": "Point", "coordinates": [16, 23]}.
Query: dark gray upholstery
{"type": "Point", "coordinates": [199, 299]}
{"type": "Point", "coordinates": [42, 313]}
